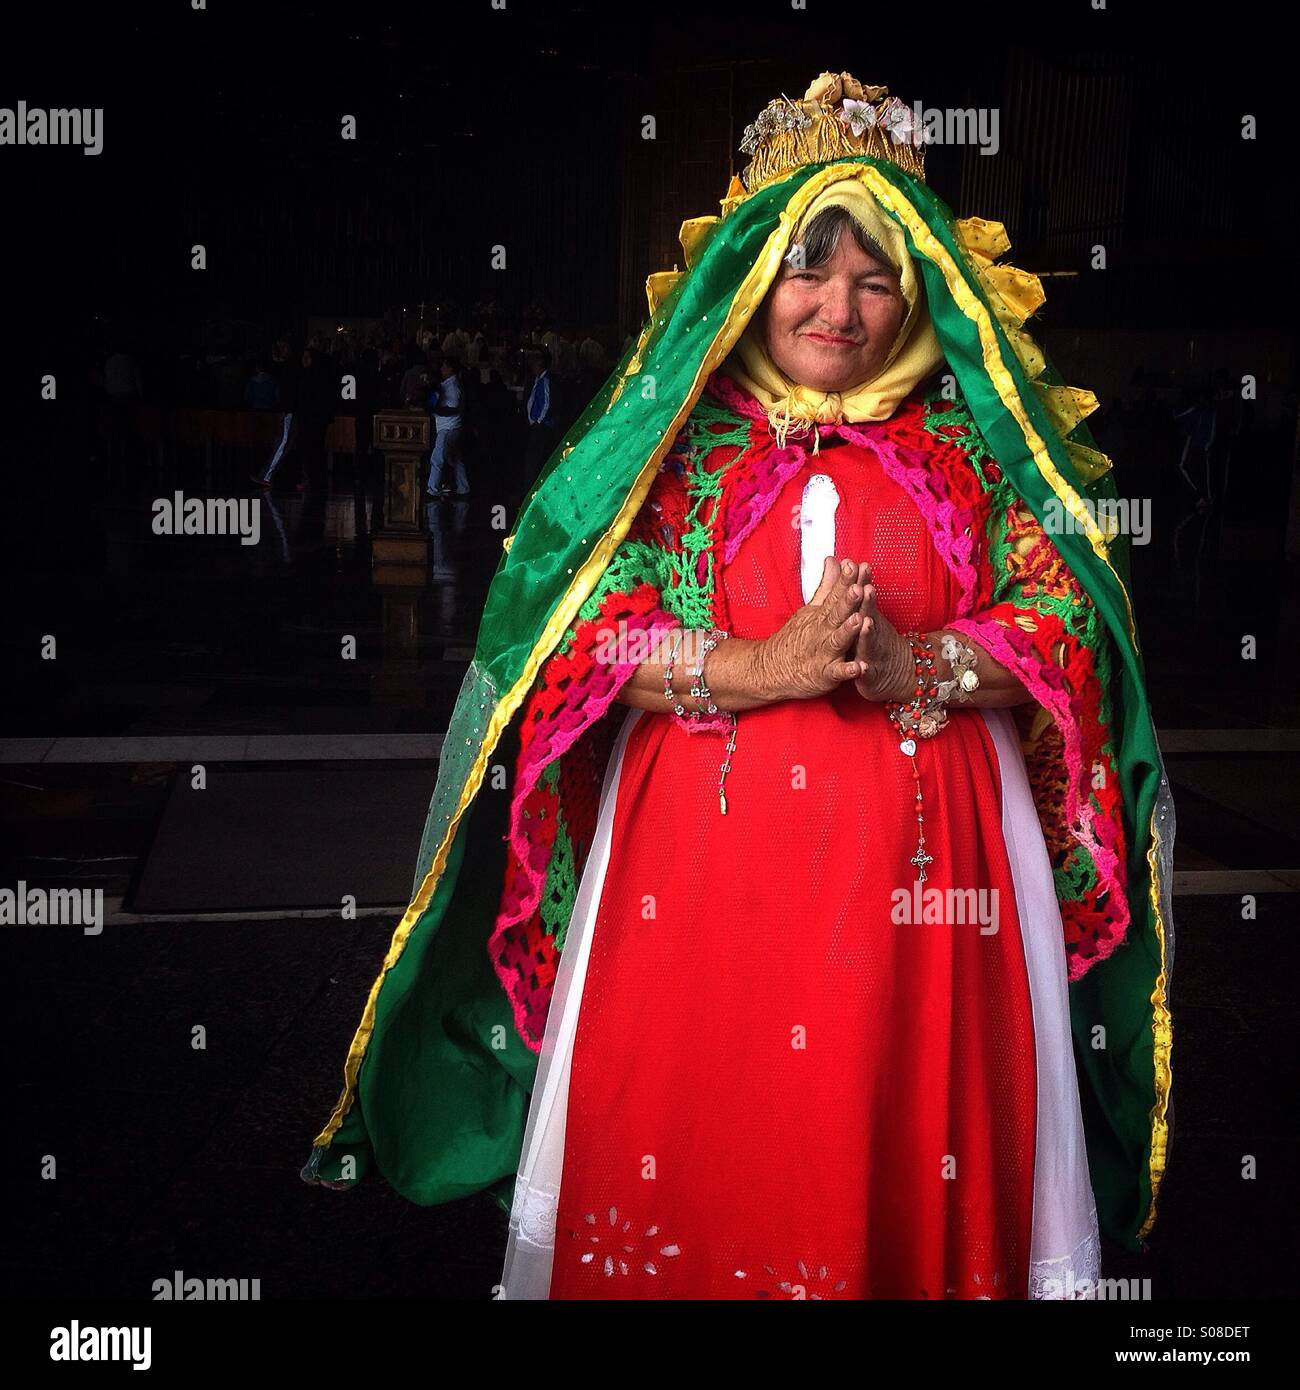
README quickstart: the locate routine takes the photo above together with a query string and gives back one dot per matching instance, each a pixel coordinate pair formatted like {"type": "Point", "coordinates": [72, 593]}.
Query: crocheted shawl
{"type": "Point", "coordinates": [1018, 599]}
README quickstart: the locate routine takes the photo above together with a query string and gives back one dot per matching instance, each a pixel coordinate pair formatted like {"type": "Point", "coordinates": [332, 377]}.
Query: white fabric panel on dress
{"type": "Point", "coordinates": [530, 1248]}
{"type": "Point", "coordinates": [817, 524]}
{"type": "Point", "coordinates": [1064, 1248]}
{"type": "Point", "coordinates": [1064, 1245]}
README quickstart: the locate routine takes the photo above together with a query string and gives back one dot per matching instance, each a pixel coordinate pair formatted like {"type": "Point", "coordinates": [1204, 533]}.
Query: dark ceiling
{"type": "Point", "coordinates": [521, 126]}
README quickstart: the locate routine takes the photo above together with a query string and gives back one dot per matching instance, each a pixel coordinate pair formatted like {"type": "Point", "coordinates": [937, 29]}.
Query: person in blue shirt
{"type": "Point", "coordinates": [543, 419]}
{"type": "Point", "coordinates": [446, 405]}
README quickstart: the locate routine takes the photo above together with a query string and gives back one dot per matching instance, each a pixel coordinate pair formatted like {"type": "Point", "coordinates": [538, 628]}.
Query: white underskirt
{"type": "Point", "coordinates": [1064, 1246]}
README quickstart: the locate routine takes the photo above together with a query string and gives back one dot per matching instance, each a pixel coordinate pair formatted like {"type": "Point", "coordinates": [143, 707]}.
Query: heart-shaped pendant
{"type": "Point", "coordinates": [908, 746]}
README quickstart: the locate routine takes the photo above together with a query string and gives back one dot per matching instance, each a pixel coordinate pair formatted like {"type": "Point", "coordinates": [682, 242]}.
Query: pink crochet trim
{"type": "Point", "coordinates": [585, 701]}
{"type": "Point", "coordinates": [952, 528]}
{"type": "Point", "coordinates": [1046, 683]}
{"type": "Point", "coordinates": [758, 476]}
{"type": "Point", "coordinates": [758, 484]}
{"type": "Point", "coordinates": [734, 398]}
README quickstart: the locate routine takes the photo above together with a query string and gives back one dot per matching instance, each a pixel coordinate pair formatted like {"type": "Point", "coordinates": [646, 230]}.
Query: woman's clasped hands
{"type": "Point", "coordinates": [839, 635]}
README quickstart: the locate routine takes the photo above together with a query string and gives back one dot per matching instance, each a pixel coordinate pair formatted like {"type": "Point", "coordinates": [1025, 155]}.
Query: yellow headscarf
{"type": "Point", "coordinates": [914, 355]}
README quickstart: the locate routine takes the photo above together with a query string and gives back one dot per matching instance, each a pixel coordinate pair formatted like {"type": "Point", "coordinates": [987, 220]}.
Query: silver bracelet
{"type": "Point", "coordinates": [699, 688]}
{"type": "Point", "coordinates": [669, 694]}
{"type": "Point", "coordinates": [965, 678]}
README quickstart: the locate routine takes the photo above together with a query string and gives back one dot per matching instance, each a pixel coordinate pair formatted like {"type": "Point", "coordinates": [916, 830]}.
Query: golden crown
{"type": "Point", "coordinates": [837, 118]}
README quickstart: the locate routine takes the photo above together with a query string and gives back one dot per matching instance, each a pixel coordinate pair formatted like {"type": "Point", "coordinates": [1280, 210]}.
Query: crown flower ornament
{"type": "Point", "coordinates": [898, 120]}
{"type": "Point", "coordinates": [838, 117]}
{"type": "Point", "coordinates": [859, 116]}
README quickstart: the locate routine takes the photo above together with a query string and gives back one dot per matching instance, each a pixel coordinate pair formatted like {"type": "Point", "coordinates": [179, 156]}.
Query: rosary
{"type": "Point", "coordinates": [926, 713]}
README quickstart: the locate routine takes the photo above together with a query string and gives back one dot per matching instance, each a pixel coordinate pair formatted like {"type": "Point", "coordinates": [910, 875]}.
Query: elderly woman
{"type": "Point", "coordinates": [795, 955]}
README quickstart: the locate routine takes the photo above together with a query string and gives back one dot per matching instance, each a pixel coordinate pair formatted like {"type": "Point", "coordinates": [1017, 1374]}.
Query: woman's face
{"type": "Point", "coordinates": [830, 327]}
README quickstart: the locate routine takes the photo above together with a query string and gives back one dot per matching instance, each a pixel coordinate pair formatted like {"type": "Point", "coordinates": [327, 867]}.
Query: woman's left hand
{"type": "Point", "coordinates": [886, 655]}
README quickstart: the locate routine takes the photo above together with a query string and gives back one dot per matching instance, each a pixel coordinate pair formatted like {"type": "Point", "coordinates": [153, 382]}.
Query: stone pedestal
{"type": "Point", "coordinates": [399, 552]}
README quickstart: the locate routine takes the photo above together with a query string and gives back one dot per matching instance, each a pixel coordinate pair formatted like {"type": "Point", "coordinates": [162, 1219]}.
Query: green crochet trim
{"type": "Point", "coordinates": [633, 563]}
{"type": "Point", "coordinates": [1076, 877]}
{"type": "Point", "coordinates": [638, 562]}
{"type": "Point", "coordinates": [556, 906]}
{"type": "Point", "coordinates": [710, 412]}
{"type": "Point", "coordinates": [690, 600]}
{"type": "Point", "coordinates": [942, 416]}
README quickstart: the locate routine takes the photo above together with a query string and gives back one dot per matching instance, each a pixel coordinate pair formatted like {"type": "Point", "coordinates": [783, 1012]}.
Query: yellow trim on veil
{"type": "Point", "coordinates": [914, 355]}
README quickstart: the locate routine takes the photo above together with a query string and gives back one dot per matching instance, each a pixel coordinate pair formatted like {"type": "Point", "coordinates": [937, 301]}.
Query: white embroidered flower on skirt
{"type": "Point", "coordinates": [803, 1283]}
{"type": "Point", "coordinates": [615, 1247]}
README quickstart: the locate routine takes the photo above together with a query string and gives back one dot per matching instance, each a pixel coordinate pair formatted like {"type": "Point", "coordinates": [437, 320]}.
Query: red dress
{"type": "Point", "coordinates": [777, 1090]}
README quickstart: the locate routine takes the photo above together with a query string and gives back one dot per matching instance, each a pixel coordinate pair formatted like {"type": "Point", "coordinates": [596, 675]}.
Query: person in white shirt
{"type": "Point", "coordinates": [447, 407]}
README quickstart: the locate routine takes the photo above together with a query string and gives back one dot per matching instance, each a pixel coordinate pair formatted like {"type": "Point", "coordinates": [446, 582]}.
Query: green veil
{"type": "Point", "coordinates": [437, 1081]}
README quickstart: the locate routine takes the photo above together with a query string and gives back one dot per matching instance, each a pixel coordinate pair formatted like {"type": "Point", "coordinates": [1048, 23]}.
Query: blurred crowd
{"type": "Point", "coordinates": [517, 386]}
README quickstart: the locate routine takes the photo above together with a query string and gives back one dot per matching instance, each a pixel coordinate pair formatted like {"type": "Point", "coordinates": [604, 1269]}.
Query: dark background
{"type": "Point", "coordinates": [522, 127]}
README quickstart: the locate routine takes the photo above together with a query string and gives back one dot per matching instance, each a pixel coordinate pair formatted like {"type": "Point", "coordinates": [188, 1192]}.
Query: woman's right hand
{"type": "Point", "coordinates": [812, 652]}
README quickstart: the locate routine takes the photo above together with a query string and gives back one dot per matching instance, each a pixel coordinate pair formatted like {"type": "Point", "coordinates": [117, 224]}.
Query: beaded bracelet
{"type": "Point", "coordinates": [669, 694]}
{"type": "Point", "coordinates": [924, 713]}
{"type": "Point", "coordinates": [700, 691]}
